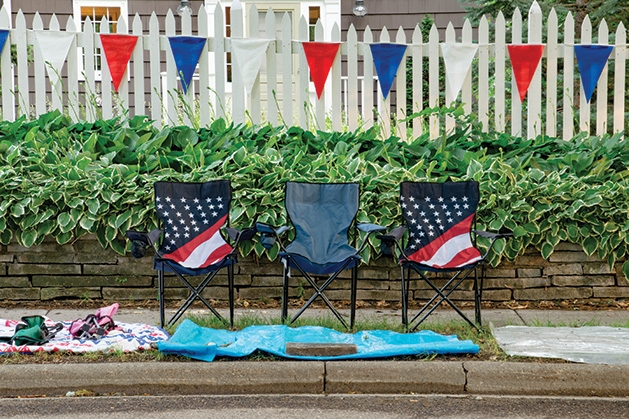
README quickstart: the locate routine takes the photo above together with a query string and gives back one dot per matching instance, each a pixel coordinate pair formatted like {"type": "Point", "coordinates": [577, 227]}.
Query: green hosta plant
{"type": "Point", "coordinates": [64, 179]}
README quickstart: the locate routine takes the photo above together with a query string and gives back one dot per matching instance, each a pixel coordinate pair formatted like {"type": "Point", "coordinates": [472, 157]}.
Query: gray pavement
{"type": "Point", "coordinates": [459, 375]}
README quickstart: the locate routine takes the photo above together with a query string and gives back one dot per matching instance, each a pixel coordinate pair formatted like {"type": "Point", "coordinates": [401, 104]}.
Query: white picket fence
{"type": "Point", "coordinates": [286, 94]}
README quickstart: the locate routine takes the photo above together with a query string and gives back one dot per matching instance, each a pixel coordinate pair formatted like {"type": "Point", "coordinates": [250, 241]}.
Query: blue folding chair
{"type": "Point", "coordinates": [439, 218]}
{"type": "Point", "coordinates": [322, 215]}
{"type": "Point", "coordinates": [193, 218]}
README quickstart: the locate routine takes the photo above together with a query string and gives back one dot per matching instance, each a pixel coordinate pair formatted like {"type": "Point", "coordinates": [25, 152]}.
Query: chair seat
{"type": "Point", "coordinates": [297, 261]}
{"type": "Point", "coordinates": [173, 267]}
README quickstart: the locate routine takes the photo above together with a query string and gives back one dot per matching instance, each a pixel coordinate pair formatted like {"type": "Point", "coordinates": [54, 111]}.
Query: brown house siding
{"type": "Point", "coordinates": [404, 13]}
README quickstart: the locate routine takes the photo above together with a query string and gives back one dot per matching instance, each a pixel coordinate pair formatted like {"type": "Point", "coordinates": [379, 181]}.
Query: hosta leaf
{"type": "Point", "coordinates": [64, 219]}
{"type": "Point", "coordinates": [86, 223]}
{"type": "Point", "coordinates": [28, 237]}
{"type": "Point", "coordinates": [625, 269]}
{"type": "Point", "coordinates": [547, 250]}
{"type": "Point", "coordinates": [122, 218]}
{"type": "Point", "coordinates": [590, 245]}
{"type": "Point", "coordinates": [17, 210]}
{"type": "Point", "coordinates": [64, 238]}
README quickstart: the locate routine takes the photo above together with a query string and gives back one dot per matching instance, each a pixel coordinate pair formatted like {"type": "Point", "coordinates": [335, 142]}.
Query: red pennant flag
{"type": "Point", "coordinates": [118, 50]}
{"type": "Point", "coordinates": [524, 61]}
{"type": "Point", "coordinates": [320, 58]}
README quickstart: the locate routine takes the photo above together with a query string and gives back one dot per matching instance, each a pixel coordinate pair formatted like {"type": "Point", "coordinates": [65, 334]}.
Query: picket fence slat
{"type": "Point", "coordinates": [352, 97]}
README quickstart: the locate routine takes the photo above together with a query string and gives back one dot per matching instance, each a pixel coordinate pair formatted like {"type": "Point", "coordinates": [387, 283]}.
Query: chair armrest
{"type": "Point", "coordinates": [492, 238]}
{"type": "Point", "coordinates": [270, 234]}
{"type": "Point", "coordinates": [370, 228]}
{"type": "Point", "coordinates": [393, 235]}
{"type": "Point", "coordinates": [391, 240]}
{"type": "Point", "coordinates": [238, 235]}
{"type": "Point", "coordinates": [490, 235]}
{"type": "Point", "coordinates": [141, 240]}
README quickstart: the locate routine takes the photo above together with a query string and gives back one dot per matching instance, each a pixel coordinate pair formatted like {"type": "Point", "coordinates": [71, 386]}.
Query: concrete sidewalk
{"type": "Point", "coordinates": [460, 375]}
{"type": "Point", "coordinates": [501, 317]}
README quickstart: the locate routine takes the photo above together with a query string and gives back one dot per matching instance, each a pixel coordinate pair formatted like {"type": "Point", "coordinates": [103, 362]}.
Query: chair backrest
{"type": "Point", "coordinates": [440, 217]}
{"type": "Point", "coordinates": [322, 214]}
{"type": "Point", "coordinates": [192, 215]}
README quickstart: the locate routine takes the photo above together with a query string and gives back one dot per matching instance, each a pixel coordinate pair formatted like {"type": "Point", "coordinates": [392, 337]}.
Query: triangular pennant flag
{"type": "Point", "coordinates": [187, 51]}
{"type": "Point", "coordinates": [591, 60]}
{"type": "Point", "coordinates": [118, 50]}
{"type": "Point", "coordinates": [249, 53]}
{"type": "Point", "coordinates": [54, 47]}
{"type": "Point", "coordinates": [320, 57]}
{"type": "Point", "coordinates": [387, 59]}
{"type": "Point", "coordinates": [4, 34]}
{"type": "Point", "coordinates": [458, 60]}
{"type": "Point", "coordinates": [524, 61]}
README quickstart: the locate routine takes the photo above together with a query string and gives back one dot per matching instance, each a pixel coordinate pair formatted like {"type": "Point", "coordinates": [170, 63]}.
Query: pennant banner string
{"type": "Point", "coordinates": [591, 60]}
{"type": "Point", "coordinates": [186, 51]}
{"type": "Point", "coordinates": [387, 59]}
{"type": "Point", "coordinates": [249, 54]}
{"type": "Point", "coordinates": [118, 50]}
{"type": "Point", "coordinates": [320, 57]}
{"type": "Point", "coordinates": [524, 61]}
{"type": "Point", "coordinates": [458, 61]}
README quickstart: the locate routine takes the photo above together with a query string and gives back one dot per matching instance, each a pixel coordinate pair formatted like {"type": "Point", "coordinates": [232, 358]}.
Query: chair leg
{"type": "Point", "coordinates": [230, 285]}
{"type": "Point", "coordinates": [285, 278]}
{"type": "Point", "coordinates": [478, 295]}
{"type": "Point", "coordinates": [160, 287]}
{"type": "Point", "coordinates": [352, 313]}
{"type": "Point", "coordinates": [404, 299]}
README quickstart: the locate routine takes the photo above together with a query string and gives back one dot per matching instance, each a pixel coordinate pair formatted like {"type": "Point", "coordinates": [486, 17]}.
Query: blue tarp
{"type": "Point", "coordinates": [205, 343]}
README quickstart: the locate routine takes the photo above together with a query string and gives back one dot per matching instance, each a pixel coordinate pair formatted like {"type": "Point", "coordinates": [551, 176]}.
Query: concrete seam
{"type": "Point", "coordinates": [465, 375]}
{"type": "Point", "coordinates": [325, 378]}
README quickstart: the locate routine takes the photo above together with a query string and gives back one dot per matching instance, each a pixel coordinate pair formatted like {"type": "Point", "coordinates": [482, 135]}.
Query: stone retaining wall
{"type": "Point", "coordinates": [84, 270]}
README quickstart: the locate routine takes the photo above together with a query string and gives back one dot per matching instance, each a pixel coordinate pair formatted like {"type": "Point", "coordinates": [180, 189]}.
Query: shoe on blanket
{"type": "Point", "coordinates": [95, 326]}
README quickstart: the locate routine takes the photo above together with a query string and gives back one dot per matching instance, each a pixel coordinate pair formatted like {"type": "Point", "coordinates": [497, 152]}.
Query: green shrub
{"type": "Point", "coordinates": [65, 179]}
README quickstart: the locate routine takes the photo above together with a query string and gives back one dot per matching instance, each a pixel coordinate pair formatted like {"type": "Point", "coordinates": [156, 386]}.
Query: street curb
{"type": "Point", "coordinates": [167, 378]}
{"type": "Point", "coordinates": [547, 379]}
{"type": "Point", "coordinates": [315, 377]}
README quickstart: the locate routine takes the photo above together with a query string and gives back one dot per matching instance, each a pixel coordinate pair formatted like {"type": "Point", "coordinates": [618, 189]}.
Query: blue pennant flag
{"type": "Point", "coordinates": [591, 60]}
{"type": "Point", "coordinates": [387, 59]}
{"type": "Point", "coordinates": [4, 34]}
{"type": "Point", "coordinates": [187, 51]}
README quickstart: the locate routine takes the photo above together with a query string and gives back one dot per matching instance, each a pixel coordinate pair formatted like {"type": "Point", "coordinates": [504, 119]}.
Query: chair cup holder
{"type": "Point", "coordinates": [267, 240]}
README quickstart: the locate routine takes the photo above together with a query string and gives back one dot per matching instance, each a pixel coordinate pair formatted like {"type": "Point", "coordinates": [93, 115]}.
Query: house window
{"type": "Point", "coordinates": [228, 34]}
{"type": "Point", "coordinates": [96, 10]}
{"type": "Point", "coordinates": [314, 14]}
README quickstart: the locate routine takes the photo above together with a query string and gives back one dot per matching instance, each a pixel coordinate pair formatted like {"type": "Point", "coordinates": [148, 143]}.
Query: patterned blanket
{"type": "Point", "coordinates": [126, 337]}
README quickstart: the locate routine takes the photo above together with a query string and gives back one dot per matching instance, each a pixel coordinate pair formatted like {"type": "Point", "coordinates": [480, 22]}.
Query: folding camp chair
{"type": "Point", "coordinates": [193, 216]}
{"type": "Point", "coordinates": [322, 215]}
{"type": "Point", "coordinates": [439, 218]}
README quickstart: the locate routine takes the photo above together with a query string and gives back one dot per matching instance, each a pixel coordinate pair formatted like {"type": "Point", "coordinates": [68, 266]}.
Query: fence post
{"type": "Point", "coordinates": [552, 52]}
{"type": "Point", "coordinates": [534, 117]}
{"type": "Point", "coordinates": [620, 54]}
{"type": "Point", "coordinates": [568, 77]}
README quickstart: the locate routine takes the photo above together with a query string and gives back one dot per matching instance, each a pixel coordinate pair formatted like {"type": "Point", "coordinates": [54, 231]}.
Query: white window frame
{"type": "Point", "coordinates": [76, 10]}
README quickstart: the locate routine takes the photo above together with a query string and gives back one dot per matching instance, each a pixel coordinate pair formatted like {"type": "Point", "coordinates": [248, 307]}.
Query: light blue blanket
{"type": "Point", "coordinates": [205, 344]}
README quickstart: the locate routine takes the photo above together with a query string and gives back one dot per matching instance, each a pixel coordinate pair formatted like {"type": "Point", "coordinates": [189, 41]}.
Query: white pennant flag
{"type": "Point", "coordinates": [248, 54]}
{"type": "Point", "coordinates": [54, 47]}
{"type": "Point", "coordinates": [458, 59]}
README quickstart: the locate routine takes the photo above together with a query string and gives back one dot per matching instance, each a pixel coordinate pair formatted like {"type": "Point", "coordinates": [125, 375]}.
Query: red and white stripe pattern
{"type": "Point", "coordinates": [440, 218]}
{"type": "Point", "coordinates": [192, 223]}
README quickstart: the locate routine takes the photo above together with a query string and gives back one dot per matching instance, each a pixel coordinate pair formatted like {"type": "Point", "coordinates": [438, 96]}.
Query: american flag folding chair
{"type": "Point", "coordinates": [439, 219]}
{"type": "Point", "coordinates": [322, 215]}
{"type": "Point", "coordinates": [190, 242]}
